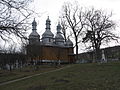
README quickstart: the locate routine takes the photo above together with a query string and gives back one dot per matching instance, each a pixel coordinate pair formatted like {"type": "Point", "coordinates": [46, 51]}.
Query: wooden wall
{"type": "Point", "coordinates": [50, 53]}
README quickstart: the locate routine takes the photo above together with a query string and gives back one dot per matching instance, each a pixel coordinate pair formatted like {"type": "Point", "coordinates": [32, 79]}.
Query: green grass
{"type": "Point", "coordinates": [75, 77]}
{"type": "Point", "coordinates": [6, 75]}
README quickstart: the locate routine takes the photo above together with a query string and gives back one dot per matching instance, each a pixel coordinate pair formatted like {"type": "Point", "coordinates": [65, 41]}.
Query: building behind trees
{"type": "Point", "coordinates": [111, 54]}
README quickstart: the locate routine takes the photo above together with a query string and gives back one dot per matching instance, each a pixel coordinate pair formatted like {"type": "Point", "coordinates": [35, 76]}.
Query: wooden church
{"type": "Point", "coordinates": [49, 48]}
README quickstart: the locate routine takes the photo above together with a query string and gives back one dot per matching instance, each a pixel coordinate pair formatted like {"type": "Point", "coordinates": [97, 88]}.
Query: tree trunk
{"type": "Point", "coordinates": [98, 55]}
{"type": "Point", "coordinates": [76, 49]}
{"type": "Point", "coordinates": [76, 52]}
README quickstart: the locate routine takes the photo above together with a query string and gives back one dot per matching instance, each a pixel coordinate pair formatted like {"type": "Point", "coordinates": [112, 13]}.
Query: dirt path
{"type": "Point", "coordinates": [8, 82]}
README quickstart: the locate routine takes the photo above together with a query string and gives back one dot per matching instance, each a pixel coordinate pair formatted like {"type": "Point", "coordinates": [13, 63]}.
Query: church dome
{"type": "Point", "coordinates": [59, 40]}
{"type": "Point", "coordinates": [69, 43]}
{"type": "Point", "coordinates": [34, 37]}
{"type": "Point", "coordinates": [34, 34]}
{"type": "Point", "coordinates": [47, 34]}
{"type": "Point", "coordinates": [59, 36]}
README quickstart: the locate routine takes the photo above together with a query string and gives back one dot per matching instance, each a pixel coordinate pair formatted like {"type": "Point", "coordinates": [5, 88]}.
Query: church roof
{"type": "Point", "coordinates": [59, 34]}
{"type": "Point", "coordinates": [48, 37]}
{"type": "Point", "coordinates": [34, 34]}
{"type": "Point", "coordinates": [69, 42]}
{"type": "Point", "coordinates": [47, 32]}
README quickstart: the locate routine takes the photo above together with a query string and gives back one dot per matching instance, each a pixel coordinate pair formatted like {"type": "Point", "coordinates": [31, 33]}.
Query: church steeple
{"type": "Point", "coordinates": [34, 37]}
{"type": "Point", "coordinates": [58, 28]}
{"type": "Point", "coordinates": [59, 40]}
{"type": "Point", "coordinates": [48, 36]}
{"type": "Point", "coordinates": [34, 25]}
{"type": "Point", "coordinates": [48, 24]}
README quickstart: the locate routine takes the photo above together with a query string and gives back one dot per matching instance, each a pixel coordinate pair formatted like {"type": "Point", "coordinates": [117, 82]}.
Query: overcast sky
{"type": "Point", "coordinates": [52, 9]}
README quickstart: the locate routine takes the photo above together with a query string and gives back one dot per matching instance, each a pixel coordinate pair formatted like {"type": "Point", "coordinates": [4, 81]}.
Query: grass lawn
{"type": "Point", "coordinates": [75, 77]}
{"type": "Point", "coordinates": [6, 75]}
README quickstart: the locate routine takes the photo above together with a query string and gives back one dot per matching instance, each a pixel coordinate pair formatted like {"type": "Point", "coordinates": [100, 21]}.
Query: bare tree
{"type": "Point", "coordinates": [13, 18]}
{"type": "Point", "coordinates": [64, 27]}
{"type": "Point", "coordinates": [74, 17]}
{"type": "Point", "coordinates": [23, 47]}
{"type": "Point", "coordinates": [99, 30]}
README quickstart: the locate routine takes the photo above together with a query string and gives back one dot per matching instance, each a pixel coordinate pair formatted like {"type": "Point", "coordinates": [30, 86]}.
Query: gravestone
{"type": "Point", "coordinates": [59, 62]}
{"type": "Point", "coordinates": [17, 64]}
{"type": "Point", "coordinates": [21, 65]}
{"type": "Point", "coordinates": [12, 67]}
{"type": "Point", "coordinates": [104, 60]}
{"type": "Point", "coordinates": [7, 66]}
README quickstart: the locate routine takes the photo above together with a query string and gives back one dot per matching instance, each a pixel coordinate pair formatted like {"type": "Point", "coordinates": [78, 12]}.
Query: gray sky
{"type": "Point", "coordinates": [52, 9]}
